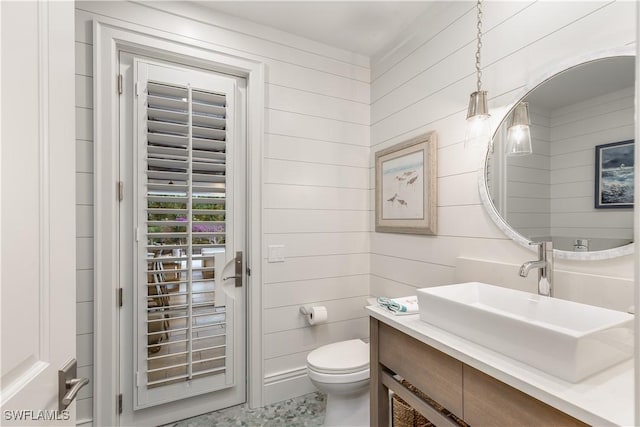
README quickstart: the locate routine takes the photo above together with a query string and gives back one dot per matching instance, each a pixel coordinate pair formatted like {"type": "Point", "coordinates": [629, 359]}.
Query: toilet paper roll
{"type": "Point", "coordinates": [317, 315]}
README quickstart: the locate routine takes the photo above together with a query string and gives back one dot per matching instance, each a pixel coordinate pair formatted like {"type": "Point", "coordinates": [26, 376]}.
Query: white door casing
{"type": "Point", "coordinates": [38, 209]}
{"type": "Point", "coordinates": [148, 106]}
{"type": "Point", "coordinates": [111, 36]}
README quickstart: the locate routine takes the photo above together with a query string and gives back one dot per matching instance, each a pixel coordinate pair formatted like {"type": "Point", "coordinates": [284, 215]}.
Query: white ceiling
{"type": "Point", "coordinates": [363, 27]}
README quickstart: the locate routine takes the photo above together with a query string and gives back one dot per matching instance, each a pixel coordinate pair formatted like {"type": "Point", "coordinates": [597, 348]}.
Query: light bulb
{"type": "Point", "coordinates": [478, 131]}
{"type": "Point", "coordinates": [519, 133]}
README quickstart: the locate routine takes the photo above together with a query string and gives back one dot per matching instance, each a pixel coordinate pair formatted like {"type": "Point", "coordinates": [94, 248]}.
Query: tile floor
{"type": "Point", "coordinates": [303, 411]}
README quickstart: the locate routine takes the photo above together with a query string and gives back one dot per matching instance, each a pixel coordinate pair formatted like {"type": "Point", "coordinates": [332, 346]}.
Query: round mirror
{"type": "Point", "coordinates": [568, 176]}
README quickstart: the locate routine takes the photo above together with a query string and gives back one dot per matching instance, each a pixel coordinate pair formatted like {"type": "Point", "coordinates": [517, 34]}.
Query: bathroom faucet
{"type": "Point", "coordinates": [544, 264]}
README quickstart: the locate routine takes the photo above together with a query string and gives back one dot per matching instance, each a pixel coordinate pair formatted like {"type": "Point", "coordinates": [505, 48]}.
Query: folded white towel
{"type": "Point", "coordinates": [400, 306]}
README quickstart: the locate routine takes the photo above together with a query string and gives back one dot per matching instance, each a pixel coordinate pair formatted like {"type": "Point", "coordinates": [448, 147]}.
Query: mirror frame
{"type": "Point", "coordinates": [482, 177]}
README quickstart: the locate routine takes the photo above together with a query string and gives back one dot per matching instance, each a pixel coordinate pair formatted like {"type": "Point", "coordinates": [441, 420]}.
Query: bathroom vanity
{"type": "Point", "coordinates": [483, 387]}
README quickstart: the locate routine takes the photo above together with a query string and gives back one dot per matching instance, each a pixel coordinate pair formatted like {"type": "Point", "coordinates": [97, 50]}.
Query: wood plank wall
{"type": "Point", "coordinates": [315, 180]}
{"type": "Point", "coordinates": [424, 84]}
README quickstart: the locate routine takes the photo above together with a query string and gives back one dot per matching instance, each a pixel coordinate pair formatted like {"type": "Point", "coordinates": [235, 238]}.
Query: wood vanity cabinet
{"type": "Point", "coordinates": [467, 393]}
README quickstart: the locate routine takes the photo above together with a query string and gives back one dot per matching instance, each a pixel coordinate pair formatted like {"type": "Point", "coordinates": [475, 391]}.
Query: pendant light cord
{"type": "Point", "coordinates": [479, 46]}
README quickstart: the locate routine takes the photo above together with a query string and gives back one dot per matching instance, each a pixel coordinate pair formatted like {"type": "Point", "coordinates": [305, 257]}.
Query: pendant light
{"type": "Point", "coordinates": [519, 133]}
{"type": "Point", "coordinates": [478, 125]}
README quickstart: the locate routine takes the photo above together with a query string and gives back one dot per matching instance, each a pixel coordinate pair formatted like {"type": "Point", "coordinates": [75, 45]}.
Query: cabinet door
{"type": "Point", "coordinates": [434, 373]}
{"type": "Point", "coordinates": [489, 402]}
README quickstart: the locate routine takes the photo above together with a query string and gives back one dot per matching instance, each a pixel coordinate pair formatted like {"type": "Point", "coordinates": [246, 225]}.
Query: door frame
{"type": "Point", "coordinates": [109, 37]}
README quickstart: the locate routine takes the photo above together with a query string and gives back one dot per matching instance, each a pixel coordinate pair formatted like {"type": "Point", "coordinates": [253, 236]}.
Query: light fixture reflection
{"type": "Point", "coordinates": [519, 133]}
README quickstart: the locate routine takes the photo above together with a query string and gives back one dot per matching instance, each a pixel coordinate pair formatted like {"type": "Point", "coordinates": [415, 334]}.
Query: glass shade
{"type": "Point", "coordinates": [519, 133]}
{"type": "Point", "coordinates": [478, 123]}
{"type": "Point", "coordinates": [478, 131]}
{"type": "Point", "coordinates": [519, 140]}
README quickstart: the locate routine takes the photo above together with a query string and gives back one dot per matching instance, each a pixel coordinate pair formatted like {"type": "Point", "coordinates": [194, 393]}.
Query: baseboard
{"type": "Point", "coordinates": [287, 385]}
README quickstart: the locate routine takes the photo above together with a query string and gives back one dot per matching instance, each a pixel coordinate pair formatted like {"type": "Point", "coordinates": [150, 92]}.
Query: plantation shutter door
{"type": "Point", "coordinates": [185, 319]}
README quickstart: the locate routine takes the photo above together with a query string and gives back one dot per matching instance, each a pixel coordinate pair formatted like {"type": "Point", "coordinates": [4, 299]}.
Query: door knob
{"type": "Point", "coordinates": [68, 384]}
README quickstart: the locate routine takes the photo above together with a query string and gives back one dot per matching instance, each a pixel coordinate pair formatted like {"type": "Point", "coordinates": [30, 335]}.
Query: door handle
{"type": "Point", "coordinates": [238, 270]}
{"type": "Point", "coordinates": [68, 384]}
{"type": "Point", "coordinates": [73, 385]}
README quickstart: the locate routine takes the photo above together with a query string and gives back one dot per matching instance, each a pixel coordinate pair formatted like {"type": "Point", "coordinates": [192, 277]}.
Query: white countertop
{"type": "Point", "coordinates": [604, 399]}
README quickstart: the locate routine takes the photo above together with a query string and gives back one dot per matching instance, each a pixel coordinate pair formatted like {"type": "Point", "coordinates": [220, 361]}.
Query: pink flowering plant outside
{"type": "Point", "coordinates": [204, 228]}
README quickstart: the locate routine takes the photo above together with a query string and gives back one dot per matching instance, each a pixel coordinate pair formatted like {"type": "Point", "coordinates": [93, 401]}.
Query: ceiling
{"type": "Point", "coordinates": [364, 27]}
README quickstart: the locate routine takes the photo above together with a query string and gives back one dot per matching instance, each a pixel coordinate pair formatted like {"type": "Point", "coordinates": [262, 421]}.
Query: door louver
{"type": "Point", "coordinates": [186, 314]}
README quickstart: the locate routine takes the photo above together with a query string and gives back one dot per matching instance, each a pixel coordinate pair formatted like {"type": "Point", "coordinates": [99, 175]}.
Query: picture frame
{"type": "Point", "coordinates": [406, 187]}
{"type": "Point", "coordinates": [614, 175]}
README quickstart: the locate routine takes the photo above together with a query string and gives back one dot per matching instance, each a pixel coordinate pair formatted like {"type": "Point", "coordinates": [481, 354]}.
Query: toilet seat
{"type": "Point", "coordinates": [345, 378]}
{"type": "Point", "coordinates": [342, 357]}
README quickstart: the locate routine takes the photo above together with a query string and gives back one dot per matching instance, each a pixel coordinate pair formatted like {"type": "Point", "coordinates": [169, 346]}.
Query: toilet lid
{"type": "Point", "coordinates": [341, 357]}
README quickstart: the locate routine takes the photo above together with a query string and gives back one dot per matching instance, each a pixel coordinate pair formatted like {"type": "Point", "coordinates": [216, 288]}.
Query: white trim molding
{"type": "Point", "coordinates": [111, 36]}
{"type": "Point", "coordinates": [287, 384]}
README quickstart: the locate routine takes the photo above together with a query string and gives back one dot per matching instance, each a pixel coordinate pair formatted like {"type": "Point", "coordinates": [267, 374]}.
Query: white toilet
{"type": "Point", "coordinates": [341, 370]}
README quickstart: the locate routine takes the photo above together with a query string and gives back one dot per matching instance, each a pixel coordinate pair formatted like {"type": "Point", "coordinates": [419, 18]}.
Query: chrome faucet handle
{"type": "Point", "coordinates": [541, 248]}
{"type": "Point", "coordinates": [544, 246]}
{"type": "Point", "coordinates": [541, 243]}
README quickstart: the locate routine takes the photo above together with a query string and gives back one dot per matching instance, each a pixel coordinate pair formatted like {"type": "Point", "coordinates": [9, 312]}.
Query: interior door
{"type": "Point", "coordinates": [38, 211]}
{"type": "Point", "coordinates": [182, 237]}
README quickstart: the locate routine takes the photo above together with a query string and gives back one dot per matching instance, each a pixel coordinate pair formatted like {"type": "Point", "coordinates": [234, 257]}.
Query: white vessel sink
{"type": "Point", "coordinates": [566, 339]}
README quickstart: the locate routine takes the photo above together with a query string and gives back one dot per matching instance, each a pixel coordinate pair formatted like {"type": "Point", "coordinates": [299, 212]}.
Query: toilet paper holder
{"type": "Point", "coordinates": [315, 315]}
{"type": "Point", "coordinates": [305, 310]}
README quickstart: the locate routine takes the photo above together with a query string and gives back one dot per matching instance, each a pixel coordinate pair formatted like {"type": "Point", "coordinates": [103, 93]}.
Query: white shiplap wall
{"type": "Point", "coordinates": [575, 131]}
{"type": "Point", "coordinates": [315, 182]}
{"type": "Point", "coordinates": [423, 84]}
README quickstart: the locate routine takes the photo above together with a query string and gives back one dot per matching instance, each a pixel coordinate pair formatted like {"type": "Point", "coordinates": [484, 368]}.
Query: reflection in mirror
{"type": "Point", "coordinates": [551, 194]}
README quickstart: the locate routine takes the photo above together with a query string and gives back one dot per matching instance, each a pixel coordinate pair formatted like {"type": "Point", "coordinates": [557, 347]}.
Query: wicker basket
{"type": "Point", "coordinates": [405, 416]}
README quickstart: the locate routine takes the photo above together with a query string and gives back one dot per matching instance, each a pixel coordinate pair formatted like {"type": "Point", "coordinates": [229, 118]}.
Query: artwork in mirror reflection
{"type": "Point", "coordinates": [549, 194]}
{"type": "Point", "coordinates": [614, 175]}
